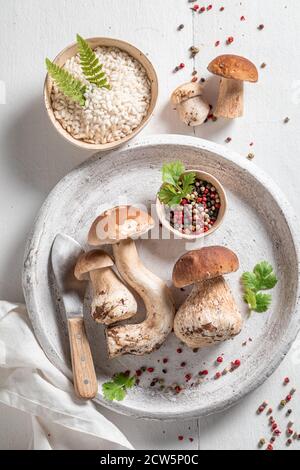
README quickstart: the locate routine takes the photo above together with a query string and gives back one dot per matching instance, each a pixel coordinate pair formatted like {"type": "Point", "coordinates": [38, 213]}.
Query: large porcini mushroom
{"type": "Point", "coordinates": [234, 71]}
{"type": "Point", "coordinates": [209, 314]}
{"type": "Point", "coordinates": [190, 105]}
{"type": "Point", "coordinates": [117, 227]}
{"type": "Point", "coordinates": [112, 301]}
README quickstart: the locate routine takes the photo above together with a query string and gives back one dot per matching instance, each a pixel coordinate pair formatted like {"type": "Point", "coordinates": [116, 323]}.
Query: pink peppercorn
{"type": "Point", "coordinates": [274, 426]}
{"type": "Point", "coordinates": [165, 360]}
{"type": "Point", "coordinates": [188, 377]}
{"type": "Point", "coordinates": [218, 375]}
{"type": "Point", "coordinates": [196, 7]}
{"type": "Point", "coordinates": [209, 7]}
{"type": "Point", "coordinates": [222, 9]}
{"type": "Point", "coordinates": [289, 397]}
{"type": "Point", "coordinates": [138, 373]}
{"type": "Point", "coordinates": [270, 447]}
{"type": "Point", "coordinates": [286, 380]}
{"type": "Point", "coordinates": [202, 10]}
{"type": "Point", "coordinates": [230, 40]}
{"type": "Point", "coordinates": [219, 360]}
{"type": "Point", "coordinates": [179, 350]}
{"type": "Point", "coordinates": [177, 389]}
{"type": "Point", "coordinates": [150, 369]}
{"type": "Point", "coordinates": [242, 18]}
{"type": "Point", "coordinates": [217, 43]}
{"type": "Point", "coordinates": [180, 438]}
{"type": "Point", "coordinates": [203, 372]}
{"type": "Point", "coordinates": [237, 362]}
{"type": "Point", "coordinates": [182, 65]}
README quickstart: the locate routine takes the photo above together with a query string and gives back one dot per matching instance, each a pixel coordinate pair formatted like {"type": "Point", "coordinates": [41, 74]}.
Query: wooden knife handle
{"type": "Point", "coordinates": [84, 376]}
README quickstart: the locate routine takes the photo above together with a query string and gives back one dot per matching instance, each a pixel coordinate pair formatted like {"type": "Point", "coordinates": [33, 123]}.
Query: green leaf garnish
{"type": "Point", "coordinates": [68, 85]}
{"type": "Point", "coordinates": [263, 302]}
{"type": "Point", "coordinates": [90, 65]}
{"type": "Point", "coordinates": [176, 185]}
{"type": "Point", "coordinates": [262, 278]}
{"type": "Point", "coordinates": [117, 388]}
{"type": "Point", "coordinates": [250, 299]}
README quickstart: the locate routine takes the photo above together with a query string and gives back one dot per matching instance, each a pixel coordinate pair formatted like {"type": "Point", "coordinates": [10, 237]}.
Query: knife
{"type": "Point", "coordinates": [64, 254]}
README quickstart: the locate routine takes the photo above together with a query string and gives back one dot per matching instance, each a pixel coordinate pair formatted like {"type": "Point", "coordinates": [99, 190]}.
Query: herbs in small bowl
{"type": "Point", "coordinates": [190, 203]}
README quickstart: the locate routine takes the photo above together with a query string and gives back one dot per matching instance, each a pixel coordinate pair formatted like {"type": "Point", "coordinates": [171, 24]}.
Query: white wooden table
{"type": "Point", "coordinates": [33, 157]}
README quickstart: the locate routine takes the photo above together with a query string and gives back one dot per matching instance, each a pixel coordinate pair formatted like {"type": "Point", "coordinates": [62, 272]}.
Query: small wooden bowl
{"type": "Point", "coordinates": [72, 50]}
{"type": "Point", "coordinates": [160, 208]}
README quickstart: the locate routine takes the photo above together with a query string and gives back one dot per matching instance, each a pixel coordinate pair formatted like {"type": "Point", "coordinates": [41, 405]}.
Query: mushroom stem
{"type": "Point", "coordinates": [209, 315]}
{"type": "Point", "coordinates": [147, 336]}
{"type": "Point", "coordinates": [112, 301]}
{"type": "Point", "coordinates": [231, 99]}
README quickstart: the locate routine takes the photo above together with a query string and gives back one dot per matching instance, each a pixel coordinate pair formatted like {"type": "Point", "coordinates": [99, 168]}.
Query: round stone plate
{"type": "Point", "coordinates": [259, 225]}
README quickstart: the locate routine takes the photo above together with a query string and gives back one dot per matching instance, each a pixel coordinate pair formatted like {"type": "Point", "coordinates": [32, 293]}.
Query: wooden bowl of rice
{"type": "Point", "coordinates": [112, 117]}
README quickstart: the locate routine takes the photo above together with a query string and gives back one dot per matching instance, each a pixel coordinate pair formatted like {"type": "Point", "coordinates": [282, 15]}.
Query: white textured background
{"type": "Point", "coordinates": [33, 157]}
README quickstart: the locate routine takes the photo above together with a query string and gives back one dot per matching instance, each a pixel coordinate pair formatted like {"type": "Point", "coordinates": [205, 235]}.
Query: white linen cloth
{"type": "Point", "coordinates": [29, 382]}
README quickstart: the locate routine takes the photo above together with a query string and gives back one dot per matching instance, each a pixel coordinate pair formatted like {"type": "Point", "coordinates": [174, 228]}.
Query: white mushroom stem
{"type": "Point", "coordinates": [231, 99]}
{"type": "Point", "coordinates": [147, 336]}
{"type": "Point", "coordinates": [209, 315]}
{"type": "Point", "coordinates": [112, 301]}
{"type": "Point", "coordinates": [193, 111]}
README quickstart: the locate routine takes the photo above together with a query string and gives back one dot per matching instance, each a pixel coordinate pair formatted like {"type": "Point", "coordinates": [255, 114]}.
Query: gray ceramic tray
{"type": "Point", "coordinates": [259, 225]}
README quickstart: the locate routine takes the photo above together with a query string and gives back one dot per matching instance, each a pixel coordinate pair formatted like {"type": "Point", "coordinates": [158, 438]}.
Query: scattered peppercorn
{"type": "Point", "coordinates": [180, 27]}
{"type": "Point", "coordinates": [202, 80]}
{"type": "Point", "coordinates": [217, 43]}
{"type": "Point", "coordinates": [183, 364]}
{"type": "Point", "coordinates": [286, 120]}
{"type": "Point", "coordinates": [218, 375]}
{"type": "Point", "coordinates": [202, 10]}
{"type": "Point", "coordinates": [194, 72]}
{"type": "Point", "coordinates": [203, 372]}
{"type": "Point", "coordinates": [288, 398]}
{"type": "Point", "coordinates": [222, 9]}
{"type": "Point", "coordinates": [179, 350]}
{"type": "Point", "coordinates": [250, 156]}
{"type": "Point", "coordinates": [261, 442]}
{"type": "Point", "coordinates": [260, 27]}
{"type": "Point", "coordinates": [164, 371]}
{"type": "Point", "coordinates": [191, 439]}
{"type": "Point", "coordinates": [219, 360]}
{"type": "Point", "coordinates": [229, 40]}
{"type": "Point", "coordinates": [289, 442]}
{"type": "Point", "coordinates": [270, 447]}
{"type": "Point", "coordinates": [195, 7]}
{"type": "Point", "coordinates": [180, 438]}
{"type": "Point", "coordinates": [242, 18]}
{"type": "Point", "coordinates": [270, 410]}
{"type": "Point", "coordinates": [228, 139]}
{"type": "Point", "coordinates": [289, 412]}
{"type": "Point", "coordinates": [209, 7]}
{"type": "Point", "coordinates": [194, 79]}
{"type": "Point", "coordinates": [237, 363]}
{"type": "Point", "coordinates": [178, 389]}
{"type": "Point", "coordinates": [188, 377]}
{"type": "Point", "coordinates": [165, 360]}
{"type": "Point", "coordinates": [263, 65]}
{"type": "Point", "coordinates": [138, 373]}
{"type": "Point", "coordinates": [282, 403]}
{"type": "Point", "coordinates": [150, 370]}
{"type": "Point", "coordinates": [194, 50]}
{"type": "Point", "coordinates": [286, 381]}
{"type": "Point", "coordinates": [195, 350]}
{"type": "Point", "coordinates": [182, 65]}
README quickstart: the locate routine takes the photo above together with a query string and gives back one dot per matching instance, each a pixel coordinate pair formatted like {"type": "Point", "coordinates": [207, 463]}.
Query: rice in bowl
{"type": "Point", "coordinates": [108, 115]}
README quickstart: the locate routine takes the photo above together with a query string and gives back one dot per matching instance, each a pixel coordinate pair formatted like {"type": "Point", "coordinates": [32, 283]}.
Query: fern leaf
{"type": "Point", "coordinates": [68, 85]}
{"type": "Point", "coordinates": [90, 65]}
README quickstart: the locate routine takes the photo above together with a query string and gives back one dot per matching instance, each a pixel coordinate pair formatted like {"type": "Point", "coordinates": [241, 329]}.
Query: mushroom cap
{"type": "Point", "coordinates": [234, 67]}
{"type": "Point", "coordinates": [91, 261]}
{"type": "Point", "coordinates": [186, 91]}
{"type": "Point", "coordinates": [205, 263]}
{"type": "Point", "coordinates": [119, 223]}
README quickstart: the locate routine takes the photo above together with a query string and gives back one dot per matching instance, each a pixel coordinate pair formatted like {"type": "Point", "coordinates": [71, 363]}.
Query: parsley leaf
{"type": "Point", "coordinates": [263, 302]}
{"type": "Point", "coordinates": [262, 278]}
{"type": "Point", "coordinates": [171, 172]}
{"type": "Point", "coordinates": [250, 299]}
{"type": "Point", "coordinates": [176, 185]}
{"type": "Point", "coordinates": [265, 275]}
{"type": "Point", "coordinates": [116, 389]}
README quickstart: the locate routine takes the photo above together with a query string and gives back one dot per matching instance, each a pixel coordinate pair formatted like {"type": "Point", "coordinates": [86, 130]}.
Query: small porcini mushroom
{"type": "Point", "coordinates": [234, 70]}
{"type": "Point", "coordinates": [117, 227]}
{"type": "Point", "coordinates": [209, 314]}
{"type": "Point", "coordinates": [191, 107]}
{"type": "Point", "coordinates": [112, 301]}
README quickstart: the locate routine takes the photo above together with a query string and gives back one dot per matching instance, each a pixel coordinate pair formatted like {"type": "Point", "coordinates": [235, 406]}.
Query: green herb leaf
{"type": "Point", "coordinates": [250, 299]}
{"type": "Point", "coordinates": [90, 64]}
{"type": "Point", "coordinates": [68, 85]}
{"type": "Point", "coordinates": [265, 275]}
{"type": "Point", "coordinates": [188, 181]}
{"type": "Point", "coordinates": [171, 172]}
{"type": "Point", "coordinates": [117, 388]}
{"type": "Point", "coordinates": [262, 278]}
{"type": "Point", "coordinates": [249, 281]}
{"type": "Point", "coordinates": [263, 302]}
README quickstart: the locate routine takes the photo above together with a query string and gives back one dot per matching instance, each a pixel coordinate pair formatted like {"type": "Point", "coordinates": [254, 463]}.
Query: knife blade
{"type": "Point", "coordinates": [64, 254]}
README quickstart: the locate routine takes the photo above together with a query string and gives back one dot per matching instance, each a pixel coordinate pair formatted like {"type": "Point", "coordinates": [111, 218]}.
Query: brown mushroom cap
{"type": "Point", "coordinates": [186, 91]}
{"type": "Point", "coordinates": [205, 263]}
{"type": "Point", "coordinates": [119, 223]}
{"type": "Point", "coordinates": [91, 261]}
{"type": "Point", "coordinates": [234, 67]}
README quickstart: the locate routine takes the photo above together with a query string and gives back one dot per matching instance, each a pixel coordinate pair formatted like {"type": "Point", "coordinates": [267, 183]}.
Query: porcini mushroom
{"type": "Point", "coordinates": [234, 71]}
{"type": "Point", "coordinates": [117, 227]}
{"type": "Point", "coordinates": [112, 301]}
{"type": "Point", "coordinates": [190, 105]}
{"type": "Point", "coordinates": [209, 314]}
